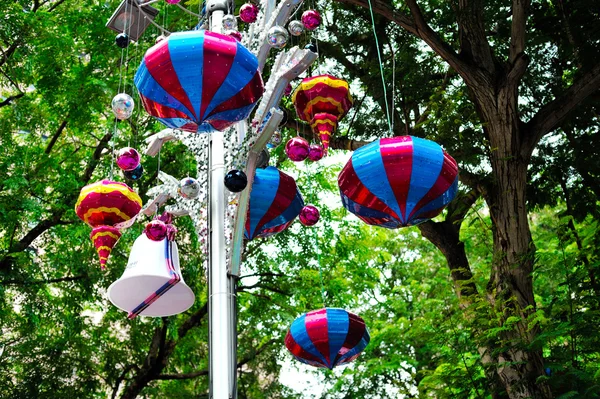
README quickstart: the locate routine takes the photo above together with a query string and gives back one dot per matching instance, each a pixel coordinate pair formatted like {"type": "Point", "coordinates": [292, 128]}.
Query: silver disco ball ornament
{"type": "Point", "coordinates": [229, 22]}
{"type": "Point", "coordinates": [189, 188]}
{"type": "Point", "coordinates": [275, 139]}
{"type": "Point", "coordinates": [296, 28]}
{"type": "Point", "coordinates": [122, 106]}
{"type": "Point", "coordinates": [263, 159]}
{"type": "Point", "coordinates": [277, 37]}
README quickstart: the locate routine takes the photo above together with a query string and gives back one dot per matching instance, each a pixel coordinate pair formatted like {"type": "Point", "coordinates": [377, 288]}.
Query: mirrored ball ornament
{"type": "Point", "coordinates": [263, 159]}
{"type": "Point", "coordinates": [189, 188]}
{"type": "Point", "coordinates": [315, 152]}
{"type": "Point", "coordinates": [288, 89]}
{"type": "Point", "coordinates": [128, 158]}
{"type": "Point", "coordinates": [311, 47]}
{"type": "Point", "coordinates": [296, 28]}
{"type": "Point", "coordinates": [275, 139]}
{"type": "Point", "coordinates": [229, 22]}
{"type": "Point", "coordinates": [122, 40]}
{"type": "Point", "coordinates": [309, 215]}
{"type": "Point", "coordinates": [249, 13]}
{"type": "Point", "coordinates": [277, 37]}
{"type": "Point", "coordinates": [235, 34]}
{"type": "Point", "coordinates": [297, 149]}
{"type": "Point", "coordinates": [311, 19]}
{"type": "Point", "coordinates": [134, 174]}
{"type": "Point", "coordinates": [122, 106]}
{"type": "Point", "coordinates": [236, 181]}
{"type": "Point", "coordinates": [156, 230]}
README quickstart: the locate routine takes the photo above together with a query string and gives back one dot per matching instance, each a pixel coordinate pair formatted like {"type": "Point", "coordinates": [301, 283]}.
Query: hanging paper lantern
{"type": "Point", "coordinates": [399, 181]}
{"type": "Point", "coordinates": [107, 206]}
{"type": "Point", "coordinates": [249, 13]}
{"type": "Point", "coordinates": [274, 203]}
{"type": "Point", "coordinates": [322, 101]}
{"type": "Point", "coordinates": [128, 158]}
{"type": "Point", "coordinates": [311, 19]}
{"type": "Point", "coordinates": [199, 81]}
{"type": "Point", "coordinates": [297, 149]}
{"type": "Point", "coordinates": [327, 337]}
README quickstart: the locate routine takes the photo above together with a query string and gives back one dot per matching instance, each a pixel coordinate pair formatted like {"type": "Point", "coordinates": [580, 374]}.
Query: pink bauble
{"type": "Point", "coordinates": [288, 89]}
{"type": "Point", "coordinates": [173, 1]}
{"type": "Point", "coordinates": [297, 149]}
{"type": "Point", "coordinates": [311, 19]}
{"type": "Point", "coordinates": [315, 152]}
{"type": "Point", "coordinates": [309, 215]}
{"type": "Point", "coordinates": [235, 34]}
{"type": "Point", "coordinates": [156, 230]}
{"type": "Point", "coordinates": [128, 159]}
{"type": "Point", "coordinates": [249, 13]}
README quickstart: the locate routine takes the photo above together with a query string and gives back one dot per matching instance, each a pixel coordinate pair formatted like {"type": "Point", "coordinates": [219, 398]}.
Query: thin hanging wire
{"type": "Point", "coordinates": [387, 110]}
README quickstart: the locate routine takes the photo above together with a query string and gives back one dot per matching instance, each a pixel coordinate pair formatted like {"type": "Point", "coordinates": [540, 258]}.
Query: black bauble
{"type": "Point", "coordinates": [236, 181]}
{"type": "Point", "coordinates": [311, 47]}
{"type": "Point", "coordinates": [122, 40]}
{"type": "Point", "coordinates": [134, 174]}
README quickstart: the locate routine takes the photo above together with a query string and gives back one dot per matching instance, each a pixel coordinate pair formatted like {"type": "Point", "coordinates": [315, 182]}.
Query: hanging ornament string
{"type": "Point", "coordinates": [387, 110]}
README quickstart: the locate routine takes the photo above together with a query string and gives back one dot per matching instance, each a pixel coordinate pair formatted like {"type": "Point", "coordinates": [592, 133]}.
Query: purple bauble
{"type": "Point", "coordinates": [288, 89]}
{"type": "Point", "coordinates": [309, 215]}
{"type": "Point", "coordinates": [315, 152]}
{"type": "Point", "coordinates": [128, 159]}
{"type": "Point", "coordinates": [173, 1]}
{"type": "Point", "coordinates": [297, 149]}
{"type": "Point", "coordinates": [311, 19]}
{"type": "Point", "coordinates": [248, 13]}
{"type": "Point", "coordinates": [235, 34]}
{"type": "Point", "coordinates": [156, 230]}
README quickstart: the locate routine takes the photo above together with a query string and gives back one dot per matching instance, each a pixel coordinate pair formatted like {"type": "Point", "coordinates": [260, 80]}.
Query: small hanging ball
{"type": "Point", "coordinates": [311, 19]}
{"type": "Point", "coordinates": [263, 159]}
{"type": "Point", "coordinates": [277, 37]}
{"type": "Point", "coordinates": [229, 22]}
{"type": "Point", "coordinates": [134, 174]}
{"type": "Point", "coordinates": [122, 106]}
{"type": "Point", "coordinates": [128, 158]}
{"type": "Point", "coordinates": [122, 40]}
{"type": "Point", "coordinates": [288, 89]}
{"type": "Point", "coordinates": [284, 119]}
{"type": "Point", "coordinates": [173, 1]}
{"type": "Point", "coordinates": [156, 230]}
{"type": "Point", "coordinates": [311, 47]}
{"type": "Point", "coordinates": [249, 13]}
{"type": "Point", "coordinates": [297, 149]}
{"type": "Point", "coordinates": [236, 181]}
{"type": "Point", "coordinates": [275, 139]}
{"type": "Point", "coordinates": [296, 28]}
{"type": "Point", "coordinates": [189, 188]}
{"type": "Point", "coordinates": [309, 215]}
{"type": "Point", "coordinates": [235, 34]}
{"type": "Point", "coordinates": [315, 152]}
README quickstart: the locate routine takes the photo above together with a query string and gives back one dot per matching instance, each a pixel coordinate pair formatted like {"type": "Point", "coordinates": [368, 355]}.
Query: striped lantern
{"type": "Point", "coordinates": [274, 203]}
{"type": "Point", "coordinates": [399, 181]}
{"type": "Point", "coordinates": [199, 81]}
{"type": "Point", "coordinates": [327, 337]}
{"type": "Point", "coordinates": [322, 101]}
{"type": "Point", "coordinates": [107, 206]}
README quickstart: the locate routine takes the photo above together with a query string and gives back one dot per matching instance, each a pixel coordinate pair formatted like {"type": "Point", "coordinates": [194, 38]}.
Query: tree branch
{"type": "Point", "coordinates": [50, 281]}
{"type": "Point", "coordinates": [10, 99]}
{"type": "Point", "coordinates": [553, 113]}
{"type": "Point", "coordinates": [473, 41]}
{"type": "Point", "coordinates": [520, 10]}
{"type": "Point", "coordinates": [56, 135]}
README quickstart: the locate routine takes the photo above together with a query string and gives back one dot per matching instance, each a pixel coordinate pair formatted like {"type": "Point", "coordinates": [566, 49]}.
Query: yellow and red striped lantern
{"type": "Point", "coordinates": [322, 101]}
{"type": "Point", "coordinates": [107, 206]}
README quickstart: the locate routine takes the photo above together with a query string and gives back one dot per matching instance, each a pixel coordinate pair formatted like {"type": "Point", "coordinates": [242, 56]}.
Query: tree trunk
{"type": "Point", "coordinates": [510, 290]}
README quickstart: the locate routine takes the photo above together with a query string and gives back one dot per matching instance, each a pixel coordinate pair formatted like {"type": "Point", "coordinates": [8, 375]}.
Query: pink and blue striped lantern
{"type": "Point", "coordinates": [327, 337]}
{"type": "Point", "coordinates": [399, 181]}
{"type": "Point", "coordinates": [199, 81]}
{"type": "Point", "coordinates": [274, 203]}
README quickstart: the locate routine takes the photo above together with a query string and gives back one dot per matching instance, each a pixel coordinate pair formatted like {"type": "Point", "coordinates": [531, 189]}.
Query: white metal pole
{"type": "Point", "coordinates": [222, 330]}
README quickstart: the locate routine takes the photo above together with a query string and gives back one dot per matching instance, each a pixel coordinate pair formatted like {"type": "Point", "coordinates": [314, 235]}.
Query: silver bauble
{"type": "Point", "coordinates": [189, 188]}
{"type": "Point", "coordinates": [229, 22]}
{"type": "Point", "coordinates": [277, 37]}
{"type": "Point", "coordinates": [296, 28]}
{"type": "Point", "coordinates": [122, 106]}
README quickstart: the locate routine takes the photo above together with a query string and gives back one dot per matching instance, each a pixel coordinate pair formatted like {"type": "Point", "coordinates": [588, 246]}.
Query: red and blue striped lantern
{"type": "Point", "coordinates": [274, 203]}
{"type": "Point", "coordinates": [399, 181]}
{"type": "Point", "coordinates": [327, 337]}
{"type": "Point", "coordinates": [199, 81]}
